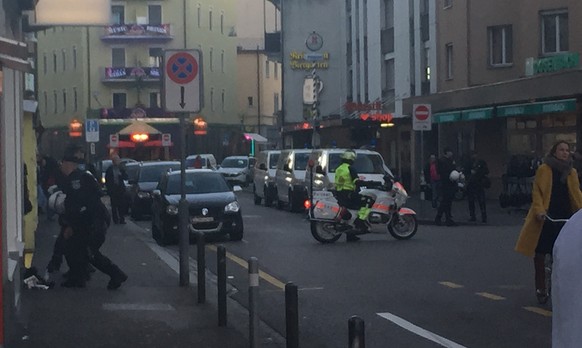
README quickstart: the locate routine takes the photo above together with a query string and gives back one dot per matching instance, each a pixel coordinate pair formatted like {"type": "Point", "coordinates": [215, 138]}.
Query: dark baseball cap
{"type": "Point", "coordinates": [74, 153]}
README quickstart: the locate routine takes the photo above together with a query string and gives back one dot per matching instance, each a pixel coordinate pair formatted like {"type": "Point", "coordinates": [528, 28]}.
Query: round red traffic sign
{"type": "Point", "coordinates": [421, 112]}
{"type": "Point", "coordinates": [182, 68]}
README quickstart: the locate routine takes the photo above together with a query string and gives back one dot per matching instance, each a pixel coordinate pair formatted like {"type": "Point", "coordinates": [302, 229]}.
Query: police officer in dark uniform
{"type": "Point", "coordinates": [85, 221]}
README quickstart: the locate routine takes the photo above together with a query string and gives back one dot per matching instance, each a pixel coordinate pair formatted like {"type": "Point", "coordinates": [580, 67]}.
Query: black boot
{"type": "Point", "coordinates": [350, 237]}
{"type": "Point", "coordinates": [117, 278]}
{"type": "Point", "coordinates": [361, 225]}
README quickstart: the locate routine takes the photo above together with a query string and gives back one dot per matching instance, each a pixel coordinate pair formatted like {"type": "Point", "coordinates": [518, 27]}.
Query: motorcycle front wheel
{"type": "Point", "coordinates": [324, 232]}
{"type": "Point", "coordinates": [403, 226]}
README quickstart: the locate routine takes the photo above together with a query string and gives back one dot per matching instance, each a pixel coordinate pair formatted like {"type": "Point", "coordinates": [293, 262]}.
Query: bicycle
{"type": "Point", "coordinates": [548, 263]}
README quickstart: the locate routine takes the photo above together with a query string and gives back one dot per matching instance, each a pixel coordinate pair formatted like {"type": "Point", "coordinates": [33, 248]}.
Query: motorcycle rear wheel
{"type": "Point", "coordinates": [403, 227]}
{"type": "Point", "coordinates": [324, 232]}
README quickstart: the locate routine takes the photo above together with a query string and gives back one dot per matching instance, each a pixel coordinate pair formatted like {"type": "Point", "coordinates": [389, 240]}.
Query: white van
{"type": "Point", "coordinates": [207, 159]}
{"type": "Point", "coordinates": [290, 178]}
{"type": "Point", "coordinates": [264, 177]}
{"type": "Point", "coordinates": [369, 165]}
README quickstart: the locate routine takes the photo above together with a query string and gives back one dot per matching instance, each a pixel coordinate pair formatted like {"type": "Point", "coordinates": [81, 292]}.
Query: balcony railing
{"type": "Point", "coordinates": [137, 32]}
{"type": "Point", "coordinates": [130, 74]}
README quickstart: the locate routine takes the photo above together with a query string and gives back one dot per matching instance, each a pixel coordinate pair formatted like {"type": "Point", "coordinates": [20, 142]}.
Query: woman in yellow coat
{"type": "Point", "coordinates": [556, 193]}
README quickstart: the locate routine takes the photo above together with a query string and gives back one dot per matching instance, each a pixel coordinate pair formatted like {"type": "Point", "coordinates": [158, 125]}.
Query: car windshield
{"type": "Point", "coordinates": [364, 163]}
{"type": "Point", "coordinates": [190, 162]}
{"type": "Point", "coordinates": [153, 173]}
{"type": "Point", "coordinates": [132, 172]}
{"type": "Point", "coordinates": [234, 163]}
{"type": "Point", "coordinates": [273, 161]}
{"type": "Point", "coordinates": [198, 183]}
{"type": "Point", "coordinates": [301, 160]}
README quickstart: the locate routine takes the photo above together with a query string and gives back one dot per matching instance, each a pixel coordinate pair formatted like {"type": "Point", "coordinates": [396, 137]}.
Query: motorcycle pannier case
{"type": "Point", "coordinates": [326, 210]}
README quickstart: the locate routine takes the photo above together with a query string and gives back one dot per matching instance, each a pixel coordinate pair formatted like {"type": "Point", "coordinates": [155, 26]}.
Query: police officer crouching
{"type": "Point", "coordinates": [84, 223]}
{"type": "Point", "coordinates": [346, 178]}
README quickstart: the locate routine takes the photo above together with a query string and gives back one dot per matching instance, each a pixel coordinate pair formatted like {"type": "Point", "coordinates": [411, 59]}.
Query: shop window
{"type": "Point", "coordinates": [500, 45]}
{"type": "Point", "coordinates": [522, 143]}
{"type": "Point", "coordinates": [549, 139]}
{"type": "Point", "coordinates": [554, 32]}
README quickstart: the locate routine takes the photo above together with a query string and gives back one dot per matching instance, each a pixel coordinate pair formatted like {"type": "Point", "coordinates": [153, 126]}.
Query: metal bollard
{"type": "Point", "coordinates": [201, 262]}
{"type": "Point", "coordinates": [292, 315]}
{"type": "Point", "coordinates": [356, 329]}
{"type": "Point", "coordinates": [221, 265]}
{"type": "Point", "coordinates": [253, 302]}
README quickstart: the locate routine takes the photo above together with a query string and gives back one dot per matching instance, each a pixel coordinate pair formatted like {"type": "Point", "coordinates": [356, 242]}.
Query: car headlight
{"type": "Point", "coordinates": [103, 180]}
{"type": "Point", "coordinates": [143, 194]}
{"type": "Point", "coordinates": [172, 210]}
{"type": "Point", "coordinates": [232, 207]}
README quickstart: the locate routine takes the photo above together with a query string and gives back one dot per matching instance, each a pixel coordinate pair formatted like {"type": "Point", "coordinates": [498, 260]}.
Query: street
{"type": "Point", "coordinates": [462, 286]}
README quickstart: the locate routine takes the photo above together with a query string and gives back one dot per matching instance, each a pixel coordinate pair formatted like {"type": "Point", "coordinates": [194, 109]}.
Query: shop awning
{"type": "Point", "coordinates": [477, 114]}
{"type": "Point", "coordinates": [139, 127]}
{"type": "Point", "coordinates": [444, 117]}
{"type": "Point", "coordinates": [256, 137]}
{"type": "Point", "coordinates": [548, 107]}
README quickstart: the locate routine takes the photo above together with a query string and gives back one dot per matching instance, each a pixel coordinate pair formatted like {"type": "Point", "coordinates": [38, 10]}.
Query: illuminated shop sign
{"type": "Point", "coordinates": [308, 61]}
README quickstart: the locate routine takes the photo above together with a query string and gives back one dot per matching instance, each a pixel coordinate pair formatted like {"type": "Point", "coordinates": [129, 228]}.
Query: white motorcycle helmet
{"type": "Point", "coordinates": [455, 176]}
{"type": "Point", "coordinates": [56, 202]}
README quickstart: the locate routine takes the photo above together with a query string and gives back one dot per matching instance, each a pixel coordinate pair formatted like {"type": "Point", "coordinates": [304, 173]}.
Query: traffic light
{"type": "Point", "coordinates": [75, 129]}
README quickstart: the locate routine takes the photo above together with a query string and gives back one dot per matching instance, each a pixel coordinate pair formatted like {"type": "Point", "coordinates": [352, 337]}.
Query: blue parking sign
{"type": "Point", "coordinates": [92, 131]}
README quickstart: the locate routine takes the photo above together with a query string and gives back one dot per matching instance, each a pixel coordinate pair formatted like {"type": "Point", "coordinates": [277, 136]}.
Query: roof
{"type": "Point", "coordinates": [256, 137]}
{"type": "Point", "coordinates": [177, 172]}
{"type": "Point", "coordinates": [156, 163]}
{"type": "Point", "coordinates": [139, 127]}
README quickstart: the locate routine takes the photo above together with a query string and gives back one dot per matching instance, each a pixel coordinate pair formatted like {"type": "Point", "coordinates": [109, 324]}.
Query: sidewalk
{"type": "Point", "coordinates": [496, 216]}
{"type": "Point", "coordinates": [149, 310]}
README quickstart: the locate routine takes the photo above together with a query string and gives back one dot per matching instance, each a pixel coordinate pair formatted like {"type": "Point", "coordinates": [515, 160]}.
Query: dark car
{"type": "Point", "coordinates": [148, 176]}
{"type": "Point", "coordinates": [212, 206]}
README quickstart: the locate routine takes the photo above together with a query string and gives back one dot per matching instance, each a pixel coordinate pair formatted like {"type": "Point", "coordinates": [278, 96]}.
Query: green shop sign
{"type": "Point", "coordinates": [447, 117]}
{"type": "Point", "coordinates": [477, 114]}
{"type": "Point", "coordinates": [565, 105]}
{"type": "Point", "coordinates": [556, 63]}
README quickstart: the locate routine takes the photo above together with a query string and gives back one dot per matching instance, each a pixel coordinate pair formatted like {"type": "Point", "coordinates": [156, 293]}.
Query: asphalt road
{"type": "Point", "coordinates": [460, 287]}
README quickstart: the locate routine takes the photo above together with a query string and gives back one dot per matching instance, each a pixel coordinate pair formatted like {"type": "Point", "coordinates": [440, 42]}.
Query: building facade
{"type": "Point", "coordinates": [507, 81]}
{"type": "Point", "coordinates": [114, 73]}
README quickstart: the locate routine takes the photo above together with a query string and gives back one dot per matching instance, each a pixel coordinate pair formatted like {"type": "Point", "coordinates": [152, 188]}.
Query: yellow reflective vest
{"type": "Point", "coordinates": [343, 178]}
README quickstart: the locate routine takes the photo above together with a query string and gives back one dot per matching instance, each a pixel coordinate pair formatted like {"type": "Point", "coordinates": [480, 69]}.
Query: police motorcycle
{"type": "Point", "coordinates": [329, 220]}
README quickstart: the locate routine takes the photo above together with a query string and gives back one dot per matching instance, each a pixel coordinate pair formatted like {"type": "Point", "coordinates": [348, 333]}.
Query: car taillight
{"type": "Point", "coordinates": [307, 204]}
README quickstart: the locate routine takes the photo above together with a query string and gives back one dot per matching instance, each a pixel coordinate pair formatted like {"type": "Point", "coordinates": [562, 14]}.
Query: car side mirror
{"type": "Point", "coordinates": [236, 188]}
{"type": "Point", "coordinates": [262, 166]}
{"type": "Point", "coordinates": [156, 193]}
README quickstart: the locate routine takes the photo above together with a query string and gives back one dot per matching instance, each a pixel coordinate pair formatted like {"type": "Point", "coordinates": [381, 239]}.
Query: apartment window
{"type": "Point", "coordinates": [276, 102]}
{"type": "Point", "coordinates": [222, 61]}
{"type": "Point", "coordinates": [276, 71]}
{"type": "Point", "coordinates": [154, 100]}
{"type": "Point", "coordinates": [554, 32]}
{"type": "Point", "coordinates": [75, 99]}
{"type": "Point", "coordinates": [155, 14]}
{"type": "Point", "coordinates": [267, 69]}
{"type": "Point", "coordinates": [212, 99]}
{"type": "Point", "coordinates": [211, 58]}
{"type": "Point", "coordinates": [118, 57]}
{"type": "Point", "coordinates": [54, 62]}
{"type": "Point", "coordinates": [45, 96]}
{"type": "Point", "coordinates": [45, 63]}
{"type": "Point", "coordinates": [74, 57]}
{"type": "Point", "coordinates": [250, 101]}
{"type": "Point", "coordinates": [55, 102]}
{"type": "Point", "coordinates": [449, 60]}
{"type": "Point", "coordinates": [118, 14]}
{"type": "Point", "coordinates": [119, 101]}
{"type": "Point", "coordinates": [210, 20]}
{"type": "Point", "coordinates": [64, 100]}
{"type": "Point", "coordinates": [388, 14]}
{"type": "Point", "coordinates": [222, 99]}
{"type": "Point", "coordinates": [222, 23]}
{"type": "Point", "coordinates": [64, 58]}
{"type": "Point", "coordinates": [447, 3]}
{"type": "Point", "coordinates": [388, 84]}
{"type": "Point", "coordinates": [500, 45]}
{"type": "Point", "coordinates": [199, 16]}
{"type": "Point", "coordinates": [156, 54]}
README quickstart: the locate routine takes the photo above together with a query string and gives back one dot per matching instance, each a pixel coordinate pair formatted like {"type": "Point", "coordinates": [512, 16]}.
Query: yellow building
{"type": "Point", "coordinates": [114, 72]}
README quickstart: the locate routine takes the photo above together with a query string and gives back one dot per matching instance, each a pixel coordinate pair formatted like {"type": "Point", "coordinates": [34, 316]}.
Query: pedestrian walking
{"type": "Point", "coordinates": [556, 193]}
{"type": "Point", "coordinates": [85, 221]}
{"type": "Point", "coordinates": [448, 186]}
{"type": "Point", "coordinates": [476, 175]}
{"type": "Point", "coordinates": [114, 181]}
{"type": "Point", "coordinates": [432, 177]}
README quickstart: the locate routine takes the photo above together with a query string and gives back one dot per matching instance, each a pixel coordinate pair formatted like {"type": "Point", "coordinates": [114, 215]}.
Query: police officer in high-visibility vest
{"type": "Point", "coordinates": [347, 194]}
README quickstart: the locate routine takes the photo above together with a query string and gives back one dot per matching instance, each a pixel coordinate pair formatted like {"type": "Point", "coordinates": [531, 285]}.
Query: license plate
{"type": "Point", "coordinates": [199, 219]}
{"type": "Point", "coordinates": [321, 195]}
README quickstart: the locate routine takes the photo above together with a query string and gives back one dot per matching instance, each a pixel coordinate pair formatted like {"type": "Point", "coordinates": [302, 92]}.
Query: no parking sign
{"type": "Point", "coordinates": [182, 80]}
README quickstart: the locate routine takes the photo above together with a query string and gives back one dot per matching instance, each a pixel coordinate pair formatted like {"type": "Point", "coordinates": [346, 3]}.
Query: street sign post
{"type": "Point", "coordinates": [113, 140]}
{"type": "Point", "coordinates": [421, 117]}
{"type": "Point", "coordinates": [92, 131]}
{"type": "Point", "coordinates": [166, 139]}
{"type": "Point", "coordinates": [182, 81]}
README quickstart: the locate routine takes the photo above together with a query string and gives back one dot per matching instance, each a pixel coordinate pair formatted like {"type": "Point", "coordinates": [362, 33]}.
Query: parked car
{"type": "Point", "coordinates": [147, 180]}
{"type": "Point", "coordinates": [213, 206]}
{"type": "Point", "coordinates": [237, 169]}
{"type": "Point", "coordinates": [369, 165]}
{"type": "Point", "coordinates": [264, 187]}
{"type": "Point", "coordinates": [207, 161]}
{"type": "Point", "coordinates": [290, 178]}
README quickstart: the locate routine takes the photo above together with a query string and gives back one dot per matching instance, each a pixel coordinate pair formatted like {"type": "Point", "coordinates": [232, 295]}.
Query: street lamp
{"type": "Point", "coordinates": [75, 128]}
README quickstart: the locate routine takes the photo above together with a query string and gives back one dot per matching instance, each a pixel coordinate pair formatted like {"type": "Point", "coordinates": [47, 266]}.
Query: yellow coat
{"type": "Point", "coordinates": [541, 193]}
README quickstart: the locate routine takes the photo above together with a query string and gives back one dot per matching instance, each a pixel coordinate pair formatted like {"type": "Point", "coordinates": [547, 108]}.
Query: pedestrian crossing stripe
{"type": "Point", "coordinates": [538, 310]}
{"type": "Point", "coordinates": [490, 296]}
{"type": "Point", "coordinates": [451, 285]}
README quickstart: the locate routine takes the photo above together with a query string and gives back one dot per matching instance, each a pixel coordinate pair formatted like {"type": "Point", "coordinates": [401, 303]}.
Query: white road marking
{"type": "Point", "coordinates": [420, 331]}
{"type": "Point", "coordinates": [451, 285]}
{"type": "Point", "coordinates": [137, 307]}
{"type": "Point", "coordinates": [490, 296]}
{"type": "Point", "coordinates": [310, 289]}
{"type": "Point", "coordinates": [251, 216]}
{"type": "Point", "coordinates": [538, 310]}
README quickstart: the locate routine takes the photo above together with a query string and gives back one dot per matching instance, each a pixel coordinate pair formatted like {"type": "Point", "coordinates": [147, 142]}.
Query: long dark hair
{"type": "Point", "coordinates": [554, 148]}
